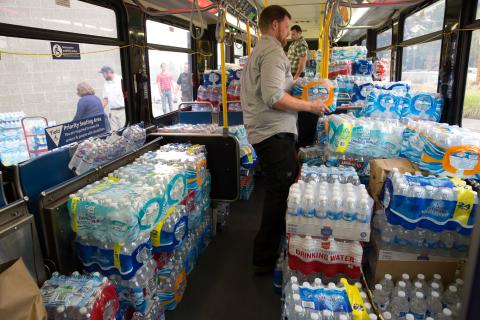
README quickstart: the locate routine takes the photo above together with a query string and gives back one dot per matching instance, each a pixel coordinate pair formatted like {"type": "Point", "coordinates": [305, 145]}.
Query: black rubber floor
{"type": "Point", "coordinates": [222, 286]}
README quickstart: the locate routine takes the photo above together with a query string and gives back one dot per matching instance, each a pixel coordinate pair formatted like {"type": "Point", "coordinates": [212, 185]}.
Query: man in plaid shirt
{"type": "Point", "coordinates": [297, 52]}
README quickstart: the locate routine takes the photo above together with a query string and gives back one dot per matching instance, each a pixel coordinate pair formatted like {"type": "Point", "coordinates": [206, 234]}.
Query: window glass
{"type": "Point", "coordinates": [164, 34]}
{"type": "Point", "coordinates": [80, 17]}
{"type": "Point", "coordinates": [170, 80]}
{"type": "Point", "coordinates": [471, 103]}
{"type": "Point", "coordinates": [384, 39]}
{"type": "Point", "coordinates": [425, 21]}
{"type": "Point", "coordinates": [47, 87]}
{"type": "Point", "coordinates": [420, 65]}
{"type": "Point", "coordinates": [478, 11]}
{"type": "Point", "coordinates": [364, 42]}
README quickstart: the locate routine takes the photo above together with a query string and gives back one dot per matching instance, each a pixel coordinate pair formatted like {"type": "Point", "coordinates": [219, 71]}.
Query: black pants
{"type": "Point", "coordinates": [279, 162]}
{"type": "Point", "coordinates": [307, 128]}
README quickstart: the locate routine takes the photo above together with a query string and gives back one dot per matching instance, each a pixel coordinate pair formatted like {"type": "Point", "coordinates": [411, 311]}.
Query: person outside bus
{"type": "Point", "coordinates": [89, 105]}
{"type": "Point", "coordinates": [165, 87]}
{"type": "Point", "coordinates": [113, 99]}
{"type": "Point", "coordinates": [185, 81]}
{"type": "Point", "coordinates": [270, 116]}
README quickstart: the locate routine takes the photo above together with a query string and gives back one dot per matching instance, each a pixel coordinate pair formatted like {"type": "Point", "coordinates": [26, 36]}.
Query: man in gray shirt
{"type": "Point", "coordinates": [270, 117]}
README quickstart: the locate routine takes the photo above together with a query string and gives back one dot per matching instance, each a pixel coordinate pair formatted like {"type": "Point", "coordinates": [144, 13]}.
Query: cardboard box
{"type": "Point", "coordinates": [20, 295]}
{"type": "Point", "coordinates": [324, 228]}
{"type": "Point", "coordinates": [382, 261]}
{"type": "Point", "coordinates": [379, 170]}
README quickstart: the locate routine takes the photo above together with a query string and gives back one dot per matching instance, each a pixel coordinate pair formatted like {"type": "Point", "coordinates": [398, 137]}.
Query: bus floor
{"type": "Point", "coordinates": [223, 285]}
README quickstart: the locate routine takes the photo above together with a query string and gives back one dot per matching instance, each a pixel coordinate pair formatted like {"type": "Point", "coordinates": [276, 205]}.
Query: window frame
{"type": "Point", "coordinates": [174, 22]}
{"type": "Point", "coordinates": [34, 33]}
{"type": "Point", "coordinates": [426, 38]}
{"type": "Point", "coordinates": [378, 32]}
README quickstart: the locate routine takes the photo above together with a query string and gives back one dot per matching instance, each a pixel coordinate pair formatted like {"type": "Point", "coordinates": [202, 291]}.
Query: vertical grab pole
{"type": "Point", "coordinates": [326, 44]}
{"type": "Point", "coordinates": [224, 74]}
{"type": "Point", "coordinates": [249, 40]}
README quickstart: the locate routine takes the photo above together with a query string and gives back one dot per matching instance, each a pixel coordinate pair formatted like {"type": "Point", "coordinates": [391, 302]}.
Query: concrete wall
{"type": "Point", "coordinates": [41, 86]}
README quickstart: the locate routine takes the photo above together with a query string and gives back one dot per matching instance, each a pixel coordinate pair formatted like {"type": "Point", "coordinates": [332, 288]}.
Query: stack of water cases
{"type": "Point", "coordinates": [328, 214]}
{"type": "Point", "coordinates": [95, 152]}
{"type": "Point", "coordinates": [346, 85]}
{"type": "Point", "coordinates": [349, 61]}
{"type": "Point", "coordinates": [419, 298]}
{"type": "Point", "coordinates": [427, 214]}
{"type": "Point", "coordinates": [317, 88]}
{"type": "Point", "coordinates": [130, 225]}
{"type": "Point", "coordinates": [353, 141]}
{"type": "Point", "coordinates": [79, 297]}
{"type": "Point", "coordinates": [318, 300]}
{"type": "Point", "coordinates": [13, 147]}
{"type": "Point", "coordinates": [211, 89]}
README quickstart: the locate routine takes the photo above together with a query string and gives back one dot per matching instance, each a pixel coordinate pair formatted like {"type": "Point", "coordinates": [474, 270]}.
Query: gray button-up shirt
{"type": "Point", "coordinates": [265, 80]}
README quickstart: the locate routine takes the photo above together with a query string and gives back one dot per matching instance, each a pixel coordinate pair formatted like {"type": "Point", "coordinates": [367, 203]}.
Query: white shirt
{"type": "Point", "coordinates": [112, 90]}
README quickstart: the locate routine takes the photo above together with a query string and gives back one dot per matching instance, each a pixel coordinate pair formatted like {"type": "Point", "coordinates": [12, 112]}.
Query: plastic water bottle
{"type": "Point", "coordinates": [322, 204]}
{"type": "Point", "coordinates": [350, 211]}
{"type": "Point", "coordinates": [364, 212]}
{"type": "Point", "coordinates": [438, 280]}
{"type": "Point", "coordinates": [434, 287]}
{"type": "Point", "coordinates": [445, 315]}
{"type": "Point", "coordinates": [451, 298]}
{"type": "Point", "coordinates": [334, 209]}
{"type": "Point", "coordinates": [421, 279]}
{"type": "Point", "coordinates": [418, 307]}
{"type": "Point", "coordinates": [380, 297]}
{"type": "Point", "coordinates": [417, 287]}
{"type": "Point", "coordinates": [309, 206]}
{"type": "Point", "coordinates": [434, 304]}
{"type": "Point", "coordinates": [401, 286]}
{"type": "Point", "coordinates": [387, 283]}
{"type": "Point", "coordinates": [368, 307]}
{"type": "Point", "coordinates": [459, 284]}
{"type": "Point", "coordinates": [399, 306]}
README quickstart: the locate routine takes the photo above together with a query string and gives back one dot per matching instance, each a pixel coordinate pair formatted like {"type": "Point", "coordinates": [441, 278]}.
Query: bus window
{"type": "Point", "coordinates": [471, 103]}
{"type": "Point", "coordinates": [237, 52]}
{"type": "Point", "coordinates": [167, 35]}
{"type": "Point", "coordinates": [47, 87]}
{"type": "Point", "coordinates": [364, 42]}
{"type": "Point", "coordinates": [384, 39]}
{"type": "Point", "coordinates": [420, 65]}
{"type": "Point", "coordinates": [78, 17]}
{"type": "Point", "coordinates": [425, 21]}
{"type": "Point", "coordinates": [170, 80]}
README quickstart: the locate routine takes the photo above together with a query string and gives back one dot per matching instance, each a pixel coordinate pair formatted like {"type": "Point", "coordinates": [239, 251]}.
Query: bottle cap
{"type": "Point", "coordinates": [358, 285]}
{"type": "Point", "coordinates": [435, 294]}
{"type": "Point", "coordinates": [409, 316]}
{"type": "Point", "coordinates": [387, 315]}
{"type": "Point", "coordinates": [331, 285]}
{"type": "Point", "coordinates": [372, 316]}
{"type": "Point", "coordinates": [421, 276]}
{"type": "Point", "coordinates": [318, 281]}
{"type": "Point", "coordinates": [418, 285]}
{"type": "Point", "coordinates": [294, 279]}
{"type": "Point", "coordinates": [296, 297]}
{"type": "Point", "coordinates": [435, 286]}
{"type": "Point", "coordinates": [402, 284]}
{"type": "Point", "coordinates": [363, 295]}
{"type": "Point", "coordinates": [452, 289]}
{"type": "Point", "coordinates": [298, 308]}
{"type": "Point", "coordinates": [419, 295]}
{"type": "Point", "coordinates": [438, 277]}
{"type": "Point", "coordinates": [459, 282]}
{"type": "Point", "coordinates": [314, 316]}
{"type": "Point", "coordinates": [327, 313]}
{"type": "Point", "coordinates": [342, 317]}
{"type": "Point", "coordinates": [401, 294]}
{"type": "Point", "coordinates": [368, 306]}
{"type": "Point", "coordinates": [388, 276]}
{"type": "Point", "coordinates": [83, 310]}
{"type": "Point", "coordinates": [405, 276]}
{"type": "Point", "coordinates": [447, 312]}
{"type": "Point", "coordinates": [378, 286]}
{"type": "Point", "coordinates": [295, 287]}
{"type": "Point", "coordinates": [60, 309]}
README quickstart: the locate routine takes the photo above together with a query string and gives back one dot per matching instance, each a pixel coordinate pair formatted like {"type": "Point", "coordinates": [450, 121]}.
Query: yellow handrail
{"type": "Point", "coordinates": [326, 45]}
{"type": "Point", "coordinates": [249, 40]}
{"type": "Point", "coordinates": [224, 73]}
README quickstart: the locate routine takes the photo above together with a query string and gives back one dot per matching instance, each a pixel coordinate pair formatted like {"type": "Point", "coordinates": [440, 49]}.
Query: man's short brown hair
{"type": "Point", "coordinates": [270, 14]}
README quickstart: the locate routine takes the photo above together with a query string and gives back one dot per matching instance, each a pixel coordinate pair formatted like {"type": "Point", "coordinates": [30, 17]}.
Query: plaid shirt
{"type": "Point", "coordinates": [297, 50]}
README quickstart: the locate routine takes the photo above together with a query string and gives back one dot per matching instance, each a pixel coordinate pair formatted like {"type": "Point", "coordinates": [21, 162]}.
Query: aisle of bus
{"type": "Point", "coordinates": [132, 183]}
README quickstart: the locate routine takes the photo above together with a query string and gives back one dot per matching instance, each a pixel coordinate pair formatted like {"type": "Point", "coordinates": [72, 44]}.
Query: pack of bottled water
{"type": "Point", "coordinates": [442, 149]}
{"type": "Point", "coordinates": [348, 53]}
{"type": "Point", "coordinates": [362, 67]}
{"type": "Point", "coordinates": [362, 90]}
{"type": "Point", "coordinates": [190, 128]}
{"type": "Point", "coordinates": [436, 204]}
{"type": "Point", "coordinates": [328, 256]}
{"type": "Point", "coordinates": [138, 292]}
{"type": "Point", "coordinates": [94, 152]}
{"type": "Point", "coordinates": [315, 209]}
{"type": "Point", "coordinates": [346, 87]}
{"type": "Point", "coordinates": [318, 300]}
{"type": "Point", "coordinates": [339, 68]}
{"type": "Point", "coordinates": [248, 156]}
{"type": "Point", "coordinates": [317, 88]}
{"type": "Point", "coordinates": [13, 147]}
{"type": "Point", "coordinates": [381, 70]}
{"type": "Point", "coordinates": [312, 155]}
{"type": "Point", "coordinates": [419, 240]}
{"type": "Point", "coordinates": [79, 297]}
{"type": "Point", "coordinates": [171, 231]}
{"type": "Point", "coordinates": [322, 132]}
{"type": "Point", "coordinates": [367, 137]}
{"type": "Point", "coordinates": [322, 173]}
{"type": "Point", "coordinates": [154, 312]}
{"type": "Point", "coordinates": [416, 298]}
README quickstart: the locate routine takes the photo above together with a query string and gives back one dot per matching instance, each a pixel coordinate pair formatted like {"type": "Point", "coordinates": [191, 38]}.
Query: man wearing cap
{"type": "Point", "coordinates": [113, 100]}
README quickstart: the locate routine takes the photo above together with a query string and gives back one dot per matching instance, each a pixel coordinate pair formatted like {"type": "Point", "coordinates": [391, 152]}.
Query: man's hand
{"type": "Point", "coordinates": [318, 106]}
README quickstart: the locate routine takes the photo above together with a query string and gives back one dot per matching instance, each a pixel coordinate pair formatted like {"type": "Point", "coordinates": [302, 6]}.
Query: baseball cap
{"type": "Point", "coordinates": [106, 69]}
